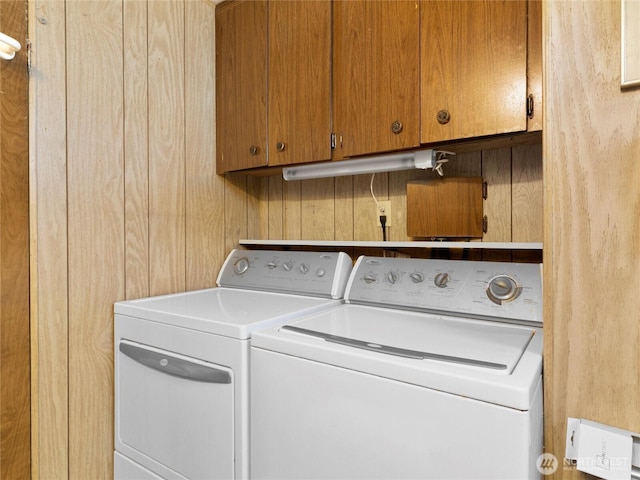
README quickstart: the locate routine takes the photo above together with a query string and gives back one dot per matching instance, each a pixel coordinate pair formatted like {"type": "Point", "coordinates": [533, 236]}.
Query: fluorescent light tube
{"type": "Point", "coordinates": [380, 163]}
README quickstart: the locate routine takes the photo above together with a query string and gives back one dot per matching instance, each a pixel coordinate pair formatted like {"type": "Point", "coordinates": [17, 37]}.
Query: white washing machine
{"type": "Point", "coordinates": [182, 362]}
{"type": "Point", "coordinates": [432, 369]}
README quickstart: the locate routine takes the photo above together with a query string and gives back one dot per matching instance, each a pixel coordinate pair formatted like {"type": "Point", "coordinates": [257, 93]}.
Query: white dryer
{"type": "Point", "coordinates": [432, 369]}
{"type": "Point", "coordinates": [182, 362]}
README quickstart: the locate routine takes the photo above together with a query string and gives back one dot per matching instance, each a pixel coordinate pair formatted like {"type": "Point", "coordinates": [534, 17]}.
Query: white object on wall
{"type": "Point", "coordinates": [8, 47]}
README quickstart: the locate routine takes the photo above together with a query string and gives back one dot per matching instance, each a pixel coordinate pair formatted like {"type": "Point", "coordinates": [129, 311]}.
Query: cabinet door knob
{"type": "Point", "coordinates": [396, 127]}
{"type": "Point", "coordinates": [443, 117]}
{"type": "Point", "coordinates": [253, 149]}
{"type": "Point", "coordinates": [281, 146]}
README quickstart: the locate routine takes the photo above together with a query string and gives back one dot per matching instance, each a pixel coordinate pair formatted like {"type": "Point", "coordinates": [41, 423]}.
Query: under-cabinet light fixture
{"type": "Point", "coordinates": [8, 47]}
{"type": "Point", "coordinates": [422, 159]}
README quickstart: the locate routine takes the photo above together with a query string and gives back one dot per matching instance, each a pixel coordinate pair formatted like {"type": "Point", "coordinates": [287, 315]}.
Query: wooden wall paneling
{"type": "Point", "coordinates": [344, 212]}
{"type": "Point", "coordinates": [166, 147]}
{"type": "Point", "coordinates": [364, 207]}
{"type": "Point", "coordinates": [592, 229]}
{"type": "Point", "coordinates": [136, 149]}
{"type": "Point", "coordinates": [204, 189]}
{"type": "Point", "coordinates": [292, 213]}
{"type": "Point", "coordinates": [257, 216]}
{"type": "Point", "coordinates": [15, 428]}
{"type": "Point", "coordinates": [96, 227]}
{"type": "Point", "coordinates": [527, 197]}
{"type": "Point", "coordinates": [276, 208]}
{"type": "Point", "coordinates": [235, 209]}
{"type": "Point", "coordinates": [397, 232]}
{"type": "Point", "coordinates": [318, 209]}
{"type": "Point", "coordinates": [48, 240]}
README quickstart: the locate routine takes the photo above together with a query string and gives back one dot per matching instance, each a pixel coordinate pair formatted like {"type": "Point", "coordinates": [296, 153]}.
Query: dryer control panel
{"type": "Point", "coordinates": [312, 273]}
{"type": "Point", "coordinates": [498, 290]}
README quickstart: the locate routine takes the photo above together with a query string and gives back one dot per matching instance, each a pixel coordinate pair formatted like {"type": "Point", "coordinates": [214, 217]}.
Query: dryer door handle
{"type": "Point", "coordinates": [174, 364]}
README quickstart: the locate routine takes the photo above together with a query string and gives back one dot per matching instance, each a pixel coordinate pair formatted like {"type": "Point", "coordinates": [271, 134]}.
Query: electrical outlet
{"type": "Point", "coordinates": [384, 208]}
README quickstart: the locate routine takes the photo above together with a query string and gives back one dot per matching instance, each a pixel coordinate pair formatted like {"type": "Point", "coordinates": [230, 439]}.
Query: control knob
{"type": "Point", "coordinates": [287, 266]}
{"type": "Point", "coordinates": [417, 277]}
{"type": "Point", "coordinates": [503, 288]}
{"type": "Point", "coordinates": [241, 265]}
{"type": "Point", "coordinates": [321, 272]}
{"type": "Point", "coordinates": [369, 278]}
{"type": "Point", "coordinates": [304, 268]}
{"type": "Point", "coordinates": [392, 278]}
{"type": "Point", "coordinates": [271, 265]}
{"type": "Point", "coordinates": [441, 279]}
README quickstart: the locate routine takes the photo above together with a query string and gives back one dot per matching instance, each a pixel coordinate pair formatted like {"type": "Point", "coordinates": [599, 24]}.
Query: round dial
{"type": "Point", "coordinates": [503, 288]}
{"type": "Point", "coordinates": [271, 265]}
{"type": "Point", "coordinates": [241, 265]}
{"type": "Point", "coordinates": [321, 272]}
{"type": "Point", "coordinates": [287, 266]}
{"type": "Point", "coordinates": [369, 278]}
{"type": "Point", "coordinates": [304, 268]}
{"type": "Point", "coordinates": [392, 278]}
{"type": "Point", "coordinates": [417, 277]}
{"type": "Point", "coordinates": [441, 279]}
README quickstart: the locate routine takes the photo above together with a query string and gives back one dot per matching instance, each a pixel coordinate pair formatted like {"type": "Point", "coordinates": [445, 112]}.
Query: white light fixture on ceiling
{"type": "Point", "coordinates": [422, 159]}
{"type": "Point", "coordinates": [8, 47]}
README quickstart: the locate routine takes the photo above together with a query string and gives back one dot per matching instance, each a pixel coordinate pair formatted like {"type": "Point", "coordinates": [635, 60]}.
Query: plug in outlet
{"type": "Point", "coordinates": [384, 208]}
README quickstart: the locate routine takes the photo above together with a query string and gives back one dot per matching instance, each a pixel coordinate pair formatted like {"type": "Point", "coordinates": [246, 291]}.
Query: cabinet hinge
{"type": "Point", "coordinates": [485, 223]}
{"type": "Point", "coordinates": [28, 56]}
{"type": "Point", "coordinates": [333, 141]}
{"type": "Point", "coordinates": [530, 106]}
{"type": "Point", "coordinates": [484, 190]}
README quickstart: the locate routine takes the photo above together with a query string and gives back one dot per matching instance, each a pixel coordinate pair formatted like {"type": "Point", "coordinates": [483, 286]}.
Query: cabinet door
{"type": "Point", "coordinates": [376, 76]}
{"type": "Point", "coordinates": [241, 85]}
{"type": "Point", "coordinates": [299, 81]}
{"type": "Point", "coordinates": [474, 68]}
{"type": "Point", "coordinates": [534, 63]}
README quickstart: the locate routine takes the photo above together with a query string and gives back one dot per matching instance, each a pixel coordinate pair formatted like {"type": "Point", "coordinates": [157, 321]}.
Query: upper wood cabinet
{"type": "Point", "coordinates": [273, 83]}
{"type": "Point", "coordinates": [241, 85]}
{"type": "Point", "coordinates": [376, 77]}
{"type": "Point", "coordinates": [473, 68]}
{"type": "Point", "coordinates": [534, 65]}
{"type": "Point", "coordinates": [299, 113]}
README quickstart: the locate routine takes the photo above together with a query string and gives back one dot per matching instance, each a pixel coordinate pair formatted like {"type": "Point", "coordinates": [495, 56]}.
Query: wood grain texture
{"type": "Point", "coordinates": [318, 209]}
{"type": "Point", "coordinates": [136, 149]}
{"type": "Point", "coordinates": [527, 194]}
{"type": "Point", "coordinates": [591, 225]}
{"type": "Point", "coordinates": [204, 189]}
{"type": "Point", "coordinates": [95, 189]}
{"type": "Point", "coordinates": [15, 401]}
{"type": "Point", "coordinates": [445, 207]}
{"type": "Point", "coordinates": [476, 53]}
{"type": "Point", "coordinates": [48, 212]}
{"type": "Point", "coordinates": [375, 75]}
{"type": "Point", "coordinates": [299, 81]}
{"type": "Point", "coordinates": [534, 62]}
{"type": "Point", "coordinates": [496, 171]}
{"type": "Point", "coordinates": [166, 147]}
{"type": "Point", "coordinates": [241, 84]}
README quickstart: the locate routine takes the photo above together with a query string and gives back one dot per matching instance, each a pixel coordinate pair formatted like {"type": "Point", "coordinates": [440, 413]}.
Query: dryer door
{"type": "Point", "coordinates": [175, 410]}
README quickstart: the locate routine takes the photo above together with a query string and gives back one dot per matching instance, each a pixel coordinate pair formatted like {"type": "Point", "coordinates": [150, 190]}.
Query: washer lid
{"type": "Point", "coordinates": [422, 337]}
{"type": "Point", "coordinates": [494, 362]}
{"type": "Point", "coordinates": [230, 312]}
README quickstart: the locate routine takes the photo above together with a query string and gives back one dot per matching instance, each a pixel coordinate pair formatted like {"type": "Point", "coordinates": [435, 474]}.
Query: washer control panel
{"type": "Point", "coordinates": [310, 273]}
{"type": "Point", "coordinates": [501, 290]}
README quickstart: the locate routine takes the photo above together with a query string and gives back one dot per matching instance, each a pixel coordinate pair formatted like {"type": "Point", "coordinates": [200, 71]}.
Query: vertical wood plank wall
{"type": "Point", "coordinates": [15, 429]}
{"type": "Point", "coordinates": [125, 201]}
{"type": "Point", "coordinates": [343, 208]}
{"type": "Point", "coordinates": [592, 225]}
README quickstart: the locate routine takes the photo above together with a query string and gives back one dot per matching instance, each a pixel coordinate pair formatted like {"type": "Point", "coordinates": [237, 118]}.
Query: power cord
{"type": "Point", "coordinates": [383, 222]}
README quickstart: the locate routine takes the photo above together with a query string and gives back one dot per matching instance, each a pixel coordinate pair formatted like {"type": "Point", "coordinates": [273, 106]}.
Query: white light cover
{"type": "Point", "coordinates": [380, 163]}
